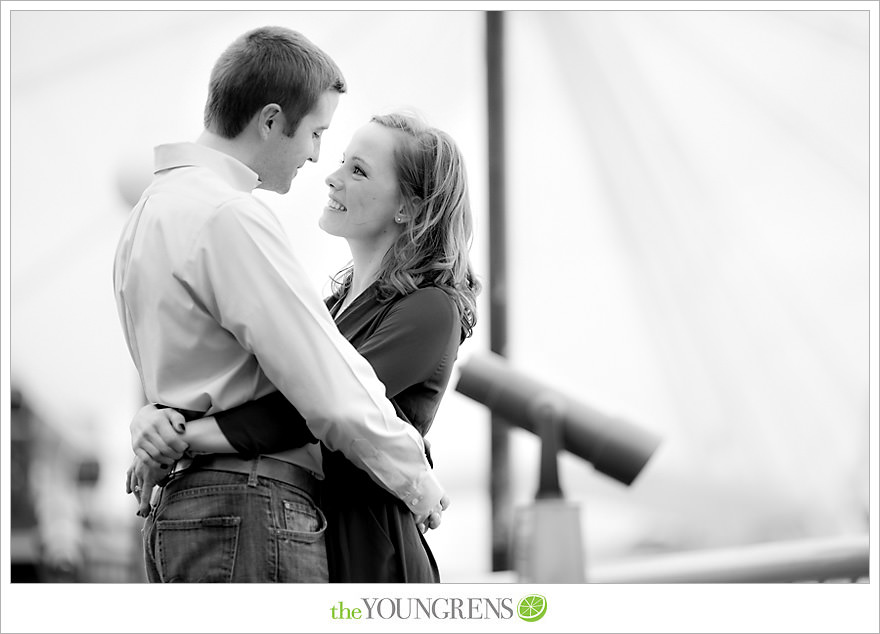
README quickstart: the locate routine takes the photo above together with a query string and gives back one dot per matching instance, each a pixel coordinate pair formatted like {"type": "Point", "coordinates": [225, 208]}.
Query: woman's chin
{"type": "Point", "coordinates": [329, 223]}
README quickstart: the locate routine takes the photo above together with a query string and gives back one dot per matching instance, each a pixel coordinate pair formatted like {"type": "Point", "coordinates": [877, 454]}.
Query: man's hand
{"type": "Point", "coordinates": [155, 436]}
{"type": "Point", "coordinates": [432, 519]}
{"type": "Point", "coordinates": [142, 476]}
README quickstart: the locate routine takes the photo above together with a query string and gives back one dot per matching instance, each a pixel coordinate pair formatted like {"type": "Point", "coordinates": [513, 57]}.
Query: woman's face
{"type": "Point", "coordinates": [364, 191]}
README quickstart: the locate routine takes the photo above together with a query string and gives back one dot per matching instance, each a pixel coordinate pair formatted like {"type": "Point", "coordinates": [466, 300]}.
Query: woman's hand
{"type": "Point", "coordinates": [142, 476]}
{"type": "Point", "coordinates": [155, 436]}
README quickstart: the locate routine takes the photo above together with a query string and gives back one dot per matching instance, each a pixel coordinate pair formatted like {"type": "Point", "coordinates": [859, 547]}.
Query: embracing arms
{"type": "Point", "coordinates": [241, 273]}
{"type": "Point", "coordinates": [404, 350]}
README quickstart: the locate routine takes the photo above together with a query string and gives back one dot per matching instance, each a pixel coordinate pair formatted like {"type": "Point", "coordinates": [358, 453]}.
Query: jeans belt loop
{"type": "Point", "coordinates": [252, 478]}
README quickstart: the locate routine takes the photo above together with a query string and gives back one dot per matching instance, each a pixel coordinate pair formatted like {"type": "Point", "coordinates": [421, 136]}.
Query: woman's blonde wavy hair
{"type": "Point", "coordinates": [434, 247]}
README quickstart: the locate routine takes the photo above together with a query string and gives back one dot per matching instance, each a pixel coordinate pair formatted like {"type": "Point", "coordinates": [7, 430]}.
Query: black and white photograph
{"type": "Point", "coordinates": [552, 316]}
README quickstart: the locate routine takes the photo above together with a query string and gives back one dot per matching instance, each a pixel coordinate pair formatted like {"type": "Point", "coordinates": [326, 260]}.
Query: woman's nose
{"type": "Point", "coordinates": [332, 180]}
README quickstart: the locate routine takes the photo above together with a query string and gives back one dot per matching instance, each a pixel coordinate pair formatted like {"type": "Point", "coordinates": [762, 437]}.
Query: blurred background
{"type": "Point", "coordinates": [687, 220]}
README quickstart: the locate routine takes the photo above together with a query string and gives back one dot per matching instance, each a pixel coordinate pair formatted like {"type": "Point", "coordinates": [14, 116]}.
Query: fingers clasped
{"type": "Point", "coordinates": [156, 435]}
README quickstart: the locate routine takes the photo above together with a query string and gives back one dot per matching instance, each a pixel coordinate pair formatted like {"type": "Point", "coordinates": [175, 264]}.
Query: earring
{"type": "Point", "coordinates": [398, 219]}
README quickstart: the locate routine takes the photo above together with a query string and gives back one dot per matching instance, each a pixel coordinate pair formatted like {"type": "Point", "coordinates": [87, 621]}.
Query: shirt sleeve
{"type": "Point", "coordinates": [280, 426]}
{"type": "Point", "coordinates": [404, 350]}
{"type": "Point", "coordinates": [243, 271]}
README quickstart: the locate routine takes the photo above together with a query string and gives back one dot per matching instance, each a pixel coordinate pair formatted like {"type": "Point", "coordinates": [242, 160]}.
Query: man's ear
{"type": "Point", "coordinates": [270, 117]}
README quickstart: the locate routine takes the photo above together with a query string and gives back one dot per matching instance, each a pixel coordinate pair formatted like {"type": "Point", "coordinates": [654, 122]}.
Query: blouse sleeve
{"type": "Point", "coordinates": [404, 350]}
{"type": "Point", "coordinates": [280, 427]}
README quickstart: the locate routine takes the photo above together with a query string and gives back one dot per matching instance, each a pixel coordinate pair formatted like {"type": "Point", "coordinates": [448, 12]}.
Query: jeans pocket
{"type": "Point", "coordinates": [301, 547]}
{"type": "Point", "coordinates": [197, 550]}
{"type": "Point", "coordinates": [303, 521]}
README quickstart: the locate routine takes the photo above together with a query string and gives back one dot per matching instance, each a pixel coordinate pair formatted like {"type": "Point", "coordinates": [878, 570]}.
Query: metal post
{"type": "Point", "coordinates": [499, 485]}
{"type": "Point", "coordinates": [548, 420]}
{"type": "Point", "coordinates": [548, 540]}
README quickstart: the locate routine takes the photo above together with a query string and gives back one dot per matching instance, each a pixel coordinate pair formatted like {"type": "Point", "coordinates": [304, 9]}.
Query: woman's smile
{"type": "Point", "coordinates": [335, 206]}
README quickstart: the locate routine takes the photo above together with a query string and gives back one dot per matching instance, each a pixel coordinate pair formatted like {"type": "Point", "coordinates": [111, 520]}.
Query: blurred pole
{"type": "Point", "coordinates": [499, 484]}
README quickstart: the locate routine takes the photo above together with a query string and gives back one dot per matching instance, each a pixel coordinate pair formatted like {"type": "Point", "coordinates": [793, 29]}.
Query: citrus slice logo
{"type": "Point", "coordinates": [532, 607]}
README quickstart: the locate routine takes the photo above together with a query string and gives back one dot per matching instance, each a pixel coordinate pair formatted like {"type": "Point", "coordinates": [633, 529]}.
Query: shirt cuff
{"type": "Point", "coordinates": [425, 496]}
{"type": "Point", "coordinates": [415, 484]}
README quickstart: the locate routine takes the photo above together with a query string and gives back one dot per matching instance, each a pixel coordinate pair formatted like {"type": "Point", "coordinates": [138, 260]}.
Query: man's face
{"type": "Point", "coordinates": [283, 155]}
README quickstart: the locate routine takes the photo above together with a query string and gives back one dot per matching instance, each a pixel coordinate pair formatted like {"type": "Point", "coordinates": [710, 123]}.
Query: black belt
{"type": "Point", "coordinates": [262, 466]}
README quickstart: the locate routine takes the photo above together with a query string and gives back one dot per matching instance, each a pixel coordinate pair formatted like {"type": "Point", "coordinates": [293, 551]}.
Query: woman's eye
{"type": "Point", "coordinates": [357, 170]}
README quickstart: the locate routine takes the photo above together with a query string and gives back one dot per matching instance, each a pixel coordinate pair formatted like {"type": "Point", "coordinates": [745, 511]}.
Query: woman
{"type": "Point", "coordinates": [406, 302]}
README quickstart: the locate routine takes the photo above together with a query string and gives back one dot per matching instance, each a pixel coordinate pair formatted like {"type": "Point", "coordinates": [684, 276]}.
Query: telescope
{"type": "Point", "coordinates": [613, 446]}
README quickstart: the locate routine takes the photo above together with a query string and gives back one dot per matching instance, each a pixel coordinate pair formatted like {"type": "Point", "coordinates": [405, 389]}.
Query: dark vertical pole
{"type": "Point", "coordinates": [500, 459]}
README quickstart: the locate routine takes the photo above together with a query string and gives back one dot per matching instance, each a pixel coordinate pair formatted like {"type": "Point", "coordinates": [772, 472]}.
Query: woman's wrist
{"type": "Point", "coordinates": [203, 435]}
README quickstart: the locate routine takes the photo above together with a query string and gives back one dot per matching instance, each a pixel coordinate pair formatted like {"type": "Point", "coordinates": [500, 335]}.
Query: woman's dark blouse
{"type": "Point", "coordinates": [411, 343]}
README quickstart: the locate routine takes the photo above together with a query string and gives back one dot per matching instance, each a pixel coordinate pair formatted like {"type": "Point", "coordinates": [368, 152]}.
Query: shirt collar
{"type": "Point", "coordinates": [231, 170]}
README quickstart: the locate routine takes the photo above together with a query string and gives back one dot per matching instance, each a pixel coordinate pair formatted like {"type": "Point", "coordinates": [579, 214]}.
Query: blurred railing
{"type": "Point", "coordinates": [838, 559]}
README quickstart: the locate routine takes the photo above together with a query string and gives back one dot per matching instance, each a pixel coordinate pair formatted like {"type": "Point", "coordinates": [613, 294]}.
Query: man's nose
{"type": "Point", "coordinates": [316, 151]}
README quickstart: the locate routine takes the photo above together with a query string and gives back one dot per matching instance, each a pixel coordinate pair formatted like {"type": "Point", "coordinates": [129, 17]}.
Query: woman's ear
{"type": "Point", "coordinates": [405, 212]}
{"type": "Point", "coordinates": [411, 209]}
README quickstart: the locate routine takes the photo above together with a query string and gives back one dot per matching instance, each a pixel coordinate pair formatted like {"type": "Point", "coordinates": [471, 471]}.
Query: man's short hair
{"type": "Point", "coordinates": [268, 65]}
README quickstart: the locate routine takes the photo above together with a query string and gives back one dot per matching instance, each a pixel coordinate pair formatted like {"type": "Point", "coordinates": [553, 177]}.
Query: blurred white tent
{"type": "Point", "coordinates": [688, 222]}
{"type": "Point", "coordinates": [691, 193]}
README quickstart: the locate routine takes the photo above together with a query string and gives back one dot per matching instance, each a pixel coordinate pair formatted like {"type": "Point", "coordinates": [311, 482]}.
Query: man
{"type": "Point", "coordinates": [216, 311]}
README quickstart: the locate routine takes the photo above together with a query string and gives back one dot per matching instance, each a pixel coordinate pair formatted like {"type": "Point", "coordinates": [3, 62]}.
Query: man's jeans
{"type": "Point", "coordinates": [216, 526]}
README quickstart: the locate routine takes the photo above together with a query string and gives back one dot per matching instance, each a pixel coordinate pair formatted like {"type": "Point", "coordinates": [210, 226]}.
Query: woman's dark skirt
{"type": "Point", "coordinates": [371, 535]}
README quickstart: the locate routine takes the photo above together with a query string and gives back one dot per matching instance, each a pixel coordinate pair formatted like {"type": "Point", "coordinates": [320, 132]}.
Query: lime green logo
{"type": "Point", "coordinates": [532, 607]}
